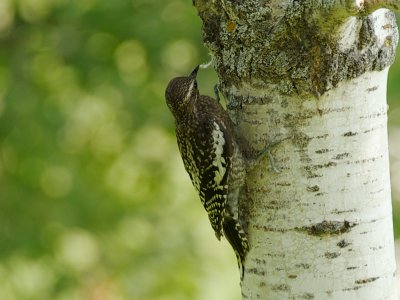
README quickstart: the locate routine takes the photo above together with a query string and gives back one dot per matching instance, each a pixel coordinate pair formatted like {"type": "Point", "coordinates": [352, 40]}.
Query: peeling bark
{"type": "Point", "coordinates": [311, 77]}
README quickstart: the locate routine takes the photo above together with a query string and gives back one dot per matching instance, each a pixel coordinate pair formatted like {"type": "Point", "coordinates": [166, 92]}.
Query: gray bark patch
{"type": "Point", "coordinates": [327, 228]}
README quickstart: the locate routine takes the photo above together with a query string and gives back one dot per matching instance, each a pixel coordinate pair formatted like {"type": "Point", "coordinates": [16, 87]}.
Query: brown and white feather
{"type": "Point", "coordinates": [211, 156]}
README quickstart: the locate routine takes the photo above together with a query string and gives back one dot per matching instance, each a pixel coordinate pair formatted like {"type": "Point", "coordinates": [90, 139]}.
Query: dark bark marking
{"type": "Point", "coordinates": [328, 228]}
{"type": "Point", "coordinates": [355, 288]}
{"type": "Point", "coordinates": [320, 194]}
{"type": "Point", "coordinates": [314, 188]}
{"type": "Point", "coordinates": [372, 159]}
{"type": "Point", "coordinates": [342, 155]}
{"type": "Point", "coordinates": [322, 151]}
{"type": "Point", "coordinates": [301, 140]}
{"type": "Point", "coordinates": [307, 296]}
{"type": "Point", "coordinates": [375, 115]}
{"type": "Point", "coordinates": [343, 244]}
{"type": "Point", "coordinates": [256, 271]}
{"type": "Point", "coordinates": [260, 261]}
{"type": "Point", "coordinates": [310, 170]}
{"type": "Point", "coordinates": [303, 266]}
{"type": "Point", "coordinates": [337, 212]}
{"type": "Point", "coordinates": [321, 166]}
{"type": "Point", "coordinates": [281, 287]}
{"type": "Point", "coordinates": [371, 89]}
{"type": "Point", "coordinates": [283, 184]}
{"type": "Point", "coordinates": [332, 255]}
{"type": "Point", "coordinates": [324, 136]}
{"type": "Point", "coordinates": [364, 281]}
{"type": "Point", "coordinates": [376, 192]}
{"type": "Point", "coordinates": [270, 229]}
{"type": "Point", "coordinates": [376, 248]}
{"type": "Point", "coordinates": [370, 130]}
{"type": "Point", "coordinates": [349, 133]}
{"type": "Point", "coordinates": [313, 175]}
{"type": "Point", "coordinates": [351, 268]}
{"type": "Point", "coordinates": [331, 110]}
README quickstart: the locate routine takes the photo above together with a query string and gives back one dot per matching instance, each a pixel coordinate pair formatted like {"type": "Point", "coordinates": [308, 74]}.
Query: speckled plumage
{"type": "Point", "coordinates": [211, 156]}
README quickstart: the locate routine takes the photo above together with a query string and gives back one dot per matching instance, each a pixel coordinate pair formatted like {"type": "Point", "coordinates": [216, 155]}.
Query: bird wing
{"type": "Point", "coordinates": [208, 162]}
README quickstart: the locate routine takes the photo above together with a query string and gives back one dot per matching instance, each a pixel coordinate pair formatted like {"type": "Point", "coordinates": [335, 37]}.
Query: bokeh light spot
{"type": "Point", "coordinates": [93, 121]}
{"type": "Point", "coordinates": [123, 177]}
{"type": "Point", "coordinates": [32, 279]}
{"type": "Point", "coordinates": [130, 58]}
{"type": "Point", "coordinates": [180, 56]}
{"type": "Point", "coordinates": [34, 11]}
{"type": "Point", "coordinates": [49, 70]}
{"type": "Point", "coordinates": [6, 15]}
{"type": "Point", "coordinates": [144, 144]}
{"type": "Point", "coordinates": [78, 250]}
{"type": "Point", "coordinates": [173, 11]}
{"type": "Point", "coordinates": [134, 232]}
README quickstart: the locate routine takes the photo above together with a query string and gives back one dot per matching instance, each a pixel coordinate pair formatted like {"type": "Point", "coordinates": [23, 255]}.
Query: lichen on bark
{"type": "Point", "coordinates": [295, 46]}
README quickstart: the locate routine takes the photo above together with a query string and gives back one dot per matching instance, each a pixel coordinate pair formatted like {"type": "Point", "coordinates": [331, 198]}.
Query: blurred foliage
{"type": "Point", "coordinates": [94, 201]}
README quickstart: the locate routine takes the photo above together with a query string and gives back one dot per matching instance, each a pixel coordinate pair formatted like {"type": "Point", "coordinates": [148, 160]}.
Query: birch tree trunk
{"type": "Point", "coordinates": [309, 77]}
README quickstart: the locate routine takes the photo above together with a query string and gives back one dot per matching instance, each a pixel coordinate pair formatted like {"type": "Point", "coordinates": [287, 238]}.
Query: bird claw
{"type": "Point", "coordinates": [267, 152]}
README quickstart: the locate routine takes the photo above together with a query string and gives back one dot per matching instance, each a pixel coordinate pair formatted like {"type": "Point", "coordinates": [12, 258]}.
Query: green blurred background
{"type": "Point", "coordinates": [94, 200]}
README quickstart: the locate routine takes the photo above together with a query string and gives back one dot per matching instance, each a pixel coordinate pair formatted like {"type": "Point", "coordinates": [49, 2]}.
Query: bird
{"type": "Point", "coordinates": [212, 156]}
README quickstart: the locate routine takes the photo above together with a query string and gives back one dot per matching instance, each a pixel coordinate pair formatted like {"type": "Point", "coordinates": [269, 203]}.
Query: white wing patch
{"type": "Point", "coordinates": [219, 160]}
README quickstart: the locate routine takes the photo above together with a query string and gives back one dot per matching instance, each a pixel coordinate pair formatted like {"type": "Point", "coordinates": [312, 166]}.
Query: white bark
{"type": "Point", "coordinates": [311, 75]}
{"type": "Point", "coordinates": [322, 228]}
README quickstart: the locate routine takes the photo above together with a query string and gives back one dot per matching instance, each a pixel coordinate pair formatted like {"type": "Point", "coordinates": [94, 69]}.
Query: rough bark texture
{"type": "Point", "coordinates": [297, 47]}
{"type": "Point", "coordinates": [311, 77]}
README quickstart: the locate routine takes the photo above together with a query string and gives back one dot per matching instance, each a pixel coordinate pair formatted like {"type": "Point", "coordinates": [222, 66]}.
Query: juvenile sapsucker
{"type": "Point", "coordinates": [212, 156]}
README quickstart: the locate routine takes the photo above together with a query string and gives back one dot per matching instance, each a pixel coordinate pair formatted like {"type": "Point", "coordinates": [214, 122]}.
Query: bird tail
{"type": "Point", "coordinates": [236, 236]}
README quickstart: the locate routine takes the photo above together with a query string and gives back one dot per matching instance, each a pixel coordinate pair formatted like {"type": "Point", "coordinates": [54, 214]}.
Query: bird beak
{"type": "Point", "coordinates": [194, 72]}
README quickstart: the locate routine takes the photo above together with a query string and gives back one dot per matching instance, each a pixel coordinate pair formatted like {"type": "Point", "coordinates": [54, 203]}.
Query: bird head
{"type": "Point", "coordinates": [181, 91]}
